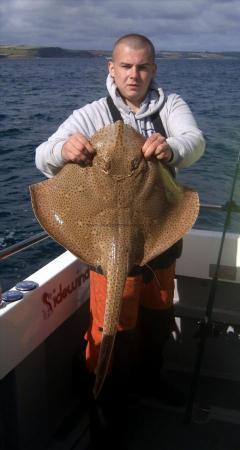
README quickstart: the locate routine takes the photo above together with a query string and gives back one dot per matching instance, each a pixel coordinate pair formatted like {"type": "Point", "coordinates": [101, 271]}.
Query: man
{"type": "Point", "coordinates": [173, 137]}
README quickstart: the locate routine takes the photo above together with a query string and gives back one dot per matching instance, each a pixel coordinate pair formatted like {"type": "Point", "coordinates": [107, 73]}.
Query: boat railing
{"type": "Point", "coordinates": [23, 245]}
{"type": "Point", "coordinates": [38, 237]}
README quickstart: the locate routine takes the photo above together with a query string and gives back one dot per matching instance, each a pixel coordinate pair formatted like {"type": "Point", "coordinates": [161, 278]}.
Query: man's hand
{"type": "Point", "coordinates": [78, 149]}
{"type": "Point", "coordinates": [157, 146]}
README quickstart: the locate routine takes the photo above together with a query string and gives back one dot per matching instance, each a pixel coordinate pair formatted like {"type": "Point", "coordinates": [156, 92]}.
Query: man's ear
{"type": "Point", "coordinates": [111, 68]}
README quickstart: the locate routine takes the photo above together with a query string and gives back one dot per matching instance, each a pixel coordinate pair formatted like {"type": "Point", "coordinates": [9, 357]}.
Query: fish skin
{"type": "Point", "coordinates": [120, 212]}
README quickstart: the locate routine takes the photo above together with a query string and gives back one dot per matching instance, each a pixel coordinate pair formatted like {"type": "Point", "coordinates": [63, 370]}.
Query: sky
{"type": "Point", "coordinates": [194, 25]}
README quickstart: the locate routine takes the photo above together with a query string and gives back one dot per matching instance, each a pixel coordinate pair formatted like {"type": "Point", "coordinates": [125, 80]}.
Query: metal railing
{"type": "Point", "coordinates": [226, 207]}
{"type": "Point", "coordinates": [23, 245]}
{"type": "Point", "coordinates": [29, 242]}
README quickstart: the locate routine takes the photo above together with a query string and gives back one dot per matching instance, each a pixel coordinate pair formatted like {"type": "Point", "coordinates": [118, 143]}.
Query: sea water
{"type": "Point", "coordinates": [37, 95]}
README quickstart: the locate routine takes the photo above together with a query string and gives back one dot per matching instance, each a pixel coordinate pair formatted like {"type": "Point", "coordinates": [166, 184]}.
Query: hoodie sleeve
{"type": "Point", "coordinates": [185, 138]}
{"type": "Point", "coordinates": [85, 120]}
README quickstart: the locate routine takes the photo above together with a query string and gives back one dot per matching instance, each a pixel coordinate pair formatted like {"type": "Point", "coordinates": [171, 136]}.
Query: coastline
{"type": "Point", "coordinates": [26, 51]}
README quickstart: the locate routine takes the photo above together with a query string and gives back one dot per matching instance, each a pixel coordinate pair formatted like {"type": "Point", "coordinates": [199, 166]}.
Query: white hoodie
{"type": "Point", "coordinates": [183, 134]}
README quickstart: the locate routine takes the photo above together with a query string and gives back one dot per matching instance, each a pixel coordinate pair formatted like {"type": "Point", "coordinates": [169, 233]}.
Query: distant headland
{"type": "Point", "coordinates": [25, 51]}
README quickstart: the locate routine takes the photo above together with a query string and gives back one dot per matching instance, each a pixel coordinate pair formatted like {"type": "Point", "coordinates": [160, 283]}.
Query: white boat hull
{"type": "Point", "coordinates": [41, 335]}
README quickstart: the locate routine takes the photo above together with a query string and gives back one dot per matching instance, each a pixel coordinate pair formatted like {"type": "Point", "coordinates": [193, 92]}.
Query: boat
{"type": "Point", "coordinates": [43, 402]}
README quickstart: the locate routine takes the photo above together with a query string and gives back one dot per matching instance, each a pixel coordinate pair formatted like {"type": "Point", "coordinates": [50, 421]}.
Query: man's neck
{"type": "Point", "coordinates": [133, 106]}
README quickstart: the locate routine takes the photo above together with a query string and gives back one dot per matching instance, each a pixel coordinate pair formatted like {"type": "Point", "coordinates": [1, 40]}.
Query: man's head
{"type": "Point", "coordinates": [135, 41]}
{"type": "Point", "coordinates": [133, 67]}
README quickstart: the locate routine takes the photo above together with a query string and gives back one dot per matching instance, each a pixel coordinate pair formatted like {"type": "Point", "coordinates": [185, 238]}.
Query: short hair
{"type": "Point", "coordinates": [135, 41]}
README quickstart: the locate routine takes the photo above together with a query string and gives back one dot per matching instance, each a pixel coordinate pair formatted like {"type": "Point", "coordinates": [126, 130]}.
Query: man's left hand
{"type": "Point", "coordinates": [156, 145]}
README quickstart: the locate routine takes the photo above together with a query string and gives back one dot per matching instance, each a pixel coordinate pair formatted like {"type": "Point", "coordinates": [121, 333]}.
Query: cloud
{"type": "Point", "coordinates": [88, 24]}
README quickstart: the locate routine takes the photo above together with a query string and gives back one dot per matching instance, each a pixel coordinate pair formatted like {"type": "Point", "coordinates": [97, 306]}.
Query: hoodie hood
{"type": "Point", "coordinates": [152, 103]}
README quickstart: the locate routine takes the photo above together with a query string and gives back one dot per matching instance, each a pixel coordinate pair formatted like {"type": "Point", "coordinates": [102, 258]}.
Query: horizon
{"type": "Point", "coordinates": [110, 50]}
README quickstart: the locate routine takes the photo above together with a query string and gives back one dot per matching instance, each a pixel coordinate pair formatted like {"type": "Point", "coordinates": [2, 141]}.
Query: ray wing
{"type": "Point", "coordinates": [174, 210]}
{"type": "Point", "coordinates": [67, 209]}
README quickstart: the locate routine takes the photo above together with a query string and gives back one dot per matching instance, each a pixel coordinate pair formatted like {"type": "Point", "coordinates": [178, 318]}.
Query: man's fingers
{"type": "Point", "coordinates": [78, 149]}
{"type": "Point", "coordinates": [154, 137]}
{"type": "Point", "coordinates": [160, 154]}
{"type": "Point", "coordinates": [81, 156]}
{"type": "Point", "coordinates": [164, 153]}
{"type": "Point", "coordinates": [161, 151]}
{"type": "Point", "coordinates": [151, 144]}
{"type": "Point", "coordinates": [154, 149]}
{"type": "Point", "coordinates": [81, 141]}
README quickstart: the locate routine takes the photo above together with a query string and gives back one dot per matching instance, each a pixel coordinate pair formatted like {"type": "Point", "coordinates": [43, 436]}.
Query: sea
{"type": "Point", "coordinates": [37, 95]}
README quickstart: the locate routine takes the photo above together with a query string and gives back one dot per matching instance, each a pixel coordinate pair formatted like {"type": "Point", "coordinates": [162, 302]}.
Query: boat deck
{"type": "Point", "coordinates": [41, 405]}
{"type": "Point", "coordinates": [215, 423]}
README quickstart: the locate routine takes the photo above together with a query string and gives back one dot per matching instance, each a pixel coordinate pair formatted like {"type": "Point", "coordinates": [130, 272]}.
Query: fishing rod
{"type": "Point", "coordinates": [205, 328]}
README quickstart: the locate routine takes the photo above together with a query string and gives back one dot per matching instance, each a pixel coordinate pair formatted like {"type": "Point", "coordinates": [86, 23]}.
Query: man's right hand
{"type": "Point", "coordinates": [78, 149]}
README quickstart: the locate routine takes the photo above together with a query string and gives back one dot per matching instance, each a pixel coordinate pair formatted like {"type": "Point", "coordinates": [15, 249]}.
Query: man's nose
{"type": "Point", "coordinates": [134, 72]}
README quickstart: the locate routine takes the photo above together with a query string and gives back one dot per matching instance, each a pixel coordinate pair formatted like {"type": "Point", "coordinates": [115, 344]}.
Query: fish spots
{"type": "Point", "coordinates": [120, 212]}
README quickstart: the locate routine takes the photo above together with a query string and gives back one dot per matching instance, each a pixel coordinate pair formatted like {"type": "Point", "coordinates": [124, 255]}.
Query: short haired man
{"type": "Point", "coordinates": [178, 142]}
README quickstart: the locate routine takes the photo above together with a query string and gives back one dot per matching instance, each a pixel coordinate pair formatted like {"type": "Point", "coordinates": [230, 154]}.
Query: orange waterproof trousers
{"type": "Point", "coordinates": [157, 294]}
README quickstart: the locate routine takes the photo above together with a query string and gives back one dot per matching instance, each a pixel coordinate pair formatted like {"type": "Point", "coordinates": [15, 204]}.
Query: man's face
{"type": "Point", "coordinates": [132, 70]}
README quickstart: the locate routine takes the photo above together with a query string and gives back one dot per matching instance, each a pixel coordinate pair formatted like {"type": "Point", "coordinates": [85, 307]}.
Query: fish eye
{"type": "Point", "coordinates": [135, 163]}
{"type": "Point", "coordinates": [105, 165]}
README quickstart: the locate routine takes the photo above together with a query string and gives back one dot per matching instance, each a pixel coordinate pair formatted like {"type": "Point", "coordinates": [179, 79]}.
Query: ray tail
{"type": "Point", "coordinates": [116, 278]}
